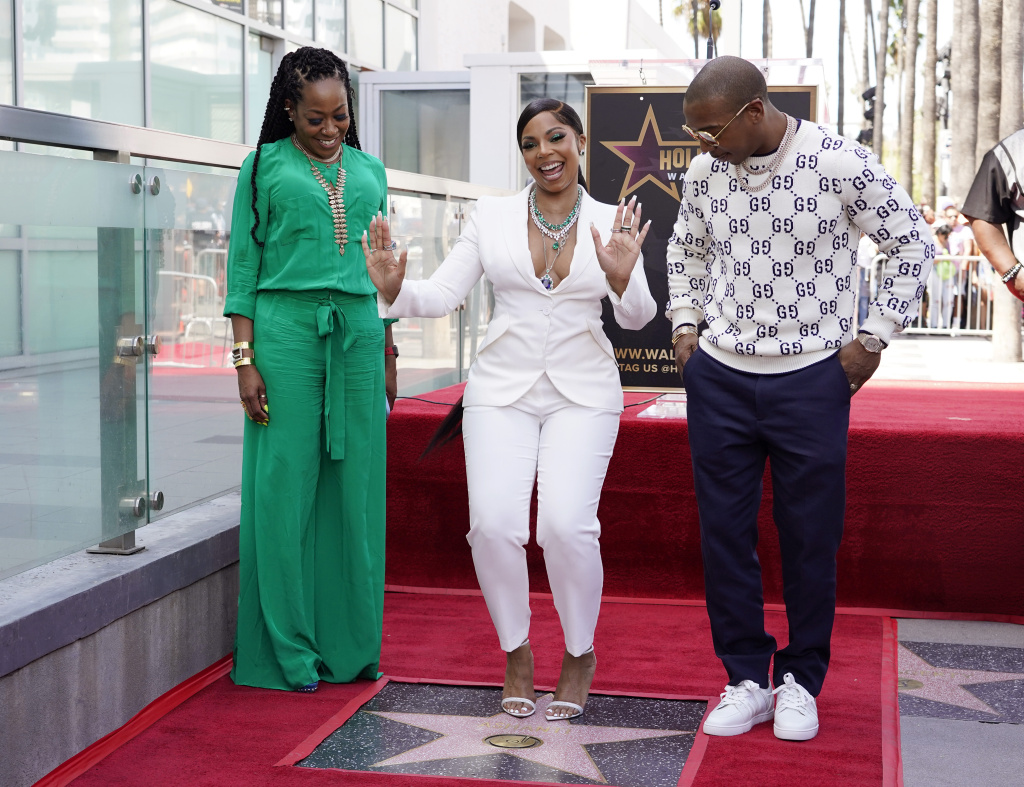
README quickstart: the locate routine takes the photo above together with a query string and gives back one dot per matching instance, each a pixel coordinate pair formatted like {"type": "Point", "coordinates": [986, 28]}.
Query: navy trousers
{"type": "Point", "coordinates": [799, 421]}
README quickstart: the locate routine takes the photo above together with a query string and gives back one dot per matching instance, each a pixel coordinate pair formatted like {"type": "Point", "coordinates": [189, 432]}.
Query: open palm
{"type": "Point", "coordinates": [619, 255]}
{"type": "Point", "coordinates": [386, 272]}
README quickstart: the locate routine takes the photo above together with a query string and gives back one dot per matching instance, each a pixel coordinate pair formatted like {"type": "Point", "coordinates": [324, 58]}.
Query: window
{"type": "Point", "coordinates": [330, 24]}
{"type": "Point", "coordinates": [6, 54]}
{"type": "Point", "coordinates": [196, 72]}
{"type": "Point", "coordinates": [426, 131]}
{"type": "Point", "coordinates": [84, 59]}
{"type": "Point", "coordinates": [401, 40]}
{"type": "Point", "coordinates": [260, 69]}
{"type": "Point", "coordinates": [366, 31]}
{"type": "Point", "coordinates": [268, 11]}
{"type": "Point", "coordinates": [298, 17]}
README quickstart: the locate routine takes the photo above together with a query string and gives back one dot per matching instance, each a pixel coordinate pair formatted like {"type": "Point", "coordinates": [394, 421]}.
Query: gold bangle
{"type": "Point", "coordinates": [238, 348]}
{"type": "Point", "coordinates": [243, 362]}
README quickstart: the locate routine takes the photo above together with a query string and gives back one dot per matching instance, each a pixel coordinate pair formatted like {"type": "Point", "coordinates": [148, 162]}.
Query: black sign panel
{"type": "Point", "coordinates": [636, 146]}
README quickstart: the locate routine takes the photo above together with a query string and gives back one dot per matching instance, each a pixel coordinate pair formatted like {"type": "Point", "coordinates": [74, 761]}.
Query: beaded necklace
{"type": "Point", "coordinates": [335, 192]}
{"type": "Point", "coordinates": [557, 232]}
{"type": "Point", "coordinates": [780, 155]}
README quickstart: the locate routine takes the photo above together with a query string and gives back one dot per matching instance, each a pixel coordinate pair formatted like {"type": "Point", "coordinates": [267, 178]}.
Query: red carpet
{"type": "Point", "coordinates": [934, 512]}
{"type": "Point", "coordinates": [232, 736]}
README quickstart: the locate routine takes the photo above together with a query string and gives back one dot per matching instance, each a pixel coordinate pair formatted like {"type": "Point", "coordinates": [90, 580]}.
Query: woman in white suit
{"type": "Point", "coordinates": [543, 398]}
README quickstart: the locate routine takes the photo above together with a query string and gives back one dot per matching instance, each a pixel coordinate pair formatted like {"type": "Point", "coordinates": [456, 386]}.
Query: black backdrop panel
{"type": "Point", "coordinates": [636, 146]}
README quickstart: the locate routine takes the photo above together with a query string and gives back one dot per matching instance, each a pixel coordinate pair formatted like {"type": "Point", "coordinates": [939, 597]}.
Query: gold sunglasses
{"type": "Point", "coordinates": [711, 140]}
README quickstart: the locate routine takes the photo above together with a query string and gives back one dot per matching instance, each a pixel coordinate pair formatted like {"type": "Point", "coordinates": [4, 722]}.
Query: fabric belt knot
{"type": "Point", "coordinates": [327, 325]}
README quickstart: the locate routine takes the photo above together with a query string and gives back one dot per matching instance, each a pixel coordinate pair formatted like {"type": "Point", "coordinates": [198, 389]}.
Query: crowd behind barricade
{"type": "Point", "coordinates": [959, 291]}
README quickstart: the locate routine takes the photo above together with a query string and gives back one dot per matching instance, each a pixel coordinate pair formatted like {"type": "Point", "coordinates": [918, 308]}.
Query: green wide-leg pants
{"type": "Point", "coordinates": [311, 548]}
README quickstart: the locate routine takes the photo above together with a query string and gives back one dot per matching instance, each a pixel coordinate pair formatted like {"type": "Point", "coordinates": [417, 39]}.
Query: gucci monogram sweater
{"type": "Point", "coordinates": [774, 272]}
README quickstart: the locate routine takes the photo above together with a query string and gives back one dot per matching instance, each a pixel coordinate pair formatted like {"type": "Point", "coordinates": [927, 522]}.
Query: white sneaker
{"type": "Point", "coordinates": [741, 708]}
{"type": "Point", "coordinates": [796, 713]}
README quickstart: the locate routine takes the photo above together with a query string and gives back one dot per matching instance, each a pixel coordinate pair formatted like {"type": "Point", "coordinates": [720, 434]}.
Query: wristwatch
{"type": "Point", "coordinates": [392, 350]}
{"type": "Point", "coordinates": [871, 342]}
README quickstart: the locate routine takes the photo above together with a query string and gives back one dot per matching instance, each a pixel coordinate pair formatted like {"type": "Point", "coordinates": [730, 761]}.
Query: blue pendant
{"type": "Point", "coordinates": [546, 281]}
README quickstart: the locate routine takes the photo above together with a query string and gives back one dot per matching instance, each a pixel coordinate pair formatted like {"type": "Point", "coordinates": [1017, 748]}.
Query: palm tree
{"type": "Point", "coordinates": [1011, 117]}
{"type": "Point", "coordinates": [701, 20]}
{"type": "Point", "coordinates": [842, 66]}
{"type": "Point", "coordinates": [990, 73]}
{"type": "Point", "coordinates": [928, 104]}
{"type": "Point", "coordinates": [865, 66]}
{"type": "Point", "coordinates": [1006, 318]}
{"type": "Point", "coordinates": [909, 60]}
{"type": "Point", "coordinates": [808, 27]}
{"type": "Point", "coordinates": [964, 67]}
{"type": "Point", "coordinates": [883, 40]}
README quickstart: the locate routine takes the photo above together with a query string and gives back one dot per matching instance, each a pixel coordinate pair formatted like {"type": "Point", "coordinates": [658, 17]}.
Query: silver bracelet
{"type": "Point", "coordinates": [1011, 274]}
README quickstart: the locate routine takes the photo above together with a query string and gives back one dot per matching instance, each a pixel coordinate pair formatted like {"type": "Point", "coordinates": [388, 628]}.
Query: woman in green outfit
{"type": "Point", "coordinates": [310, 344]}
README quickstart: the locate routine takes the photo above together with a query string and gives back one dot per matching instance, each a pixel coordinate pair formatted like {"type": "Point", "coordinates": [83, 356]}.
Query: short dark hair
{"type": "Point", "coordinates": [732, 79]}
{"type": "Point", "coordinates": [943, 229]}
{"type": "Point", "coordinates": [565, 114]}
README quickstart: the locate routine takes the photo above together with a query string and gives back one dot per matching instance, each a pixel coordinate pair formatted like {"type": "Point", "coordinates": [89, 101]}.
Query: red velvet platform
{"type": "Point", "coordinates": [935, 504]}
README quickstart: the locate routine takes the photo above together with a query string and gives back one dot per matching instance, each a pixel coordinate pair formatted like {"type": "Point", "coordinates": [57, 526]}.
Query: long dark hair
{"type": "Point", "coordinates": [565, 114]}
{"type": "Point", "coordinates": [298, 69]}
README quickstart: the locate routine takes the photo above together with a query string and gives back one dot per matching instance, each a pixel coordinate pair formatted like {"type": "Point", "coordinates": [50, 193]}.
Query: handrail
{"type": "Point", "coordinates": [37, 127]}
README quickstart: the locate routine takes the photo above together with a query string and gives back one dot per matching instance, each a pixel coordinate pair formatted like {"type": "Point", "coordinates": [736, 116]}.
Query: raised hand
{"type": "Point", "coordinates": [618, 257]}
{"type": "Point", "coordinates": [386, 272]}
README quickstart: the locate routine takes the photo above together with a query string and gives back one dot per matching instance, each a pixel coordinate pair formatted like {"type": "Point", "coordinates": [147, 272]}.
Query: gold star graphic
{"type": "Point", "coordinates": [645, 158]}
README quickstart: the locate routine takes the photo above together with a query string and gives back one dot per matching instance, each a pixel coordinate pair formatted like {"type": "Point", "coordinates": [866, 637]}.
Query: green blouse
{"type": "Point", "coordinates": [297, 228]}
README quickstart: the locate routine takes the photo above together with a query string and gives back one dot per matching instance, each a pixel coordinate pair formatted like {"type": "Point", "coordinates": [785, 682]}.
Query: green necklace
{"type": "Point", "coordinates": [557, 232]}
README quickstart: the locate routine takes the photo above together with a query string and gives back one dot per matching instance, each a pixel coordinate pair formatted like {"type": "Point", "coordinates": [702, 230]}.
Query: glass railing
{"type": "Point", "coordinates": [118, 400]}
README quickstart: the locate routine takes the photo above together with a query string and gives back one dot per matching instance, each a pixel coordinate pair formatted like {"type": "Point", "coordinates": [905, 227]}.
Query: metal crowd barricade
{"type": "Point", "coordinates": [958, 297]}
{"type": "Point", "coordinates": [198, 328]}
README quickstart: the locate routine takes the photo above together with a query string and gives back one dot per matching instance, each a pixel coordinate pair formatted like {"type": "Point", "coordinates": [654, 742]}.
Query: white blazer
{"type": "Point", "coordinates": [532, 330]}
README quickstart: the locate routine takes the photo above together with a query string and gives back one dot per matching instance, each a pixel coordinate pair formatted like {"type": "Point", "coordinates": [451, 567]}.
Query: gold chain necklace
{"type": "Point", "coordinates": [773, 168]}
{"type": "Point", "coordinates": [335, 193]}
{"type": "Point", "coordinates": [327, 161]}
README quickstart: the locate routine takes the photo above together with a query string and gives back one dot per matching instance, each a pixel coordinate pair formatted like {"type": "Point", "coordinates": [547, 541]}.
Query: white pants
{"type": "Point", "coordinates": [566, 448]}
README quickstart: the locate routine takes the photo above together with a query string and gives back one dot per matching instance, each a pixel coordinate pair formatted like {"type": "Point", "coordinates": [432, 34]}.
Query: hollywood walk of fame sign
{"type": "Point", "coordinates": [452, 730]}
{"type": "Point", "coordinates": [636, 146]}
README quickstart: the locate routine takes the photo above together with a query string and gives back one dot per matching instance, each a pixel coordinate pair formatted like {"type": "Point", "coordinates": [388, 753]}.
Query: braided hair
{"type": "Point", "coordinates": [298, 69]}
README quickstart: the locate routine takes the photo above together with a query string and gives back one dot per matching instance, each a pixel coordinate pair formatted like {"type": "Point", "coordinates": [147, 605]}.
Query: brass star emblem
{"type": "Point", "coordinates": [652, 159]}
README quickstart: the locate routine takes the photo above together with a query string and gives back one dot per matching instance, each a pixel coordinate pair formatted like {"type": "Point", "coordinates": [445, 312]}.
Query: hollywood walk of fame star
{"type": "Point", "coordinates": [946, 684]}
{"type": "Point", "coordinates": [644, 158]}
{"type": "Point", "coordinates": [562, 747]}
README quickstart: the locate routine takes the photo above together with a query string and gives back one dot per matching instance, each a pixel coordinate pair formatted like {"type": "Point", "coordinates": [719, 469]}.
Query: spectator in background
{"type": "Point", "coordinates": [867, 250]}
{"type": "Point", "coordinates": [941, 282]}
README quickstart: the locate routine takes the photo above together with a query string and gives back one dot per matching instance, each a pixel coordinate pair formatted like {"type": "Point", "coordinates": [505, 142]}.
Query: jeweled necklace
{"type": "Point", "coordinates": [557, 232]}
{"type": "Point", "coordinates": [335, 193]}
{"type": "Point", "coordinates": [780, 155]}
{"type": "Point", "coordinates": [328, 161]}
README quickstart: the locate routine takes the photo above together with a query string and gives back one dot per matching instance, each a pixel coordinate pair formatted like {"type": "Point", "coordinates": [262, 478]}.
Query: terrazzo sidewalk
{"type": "Point", "coordinates": [961, 703]}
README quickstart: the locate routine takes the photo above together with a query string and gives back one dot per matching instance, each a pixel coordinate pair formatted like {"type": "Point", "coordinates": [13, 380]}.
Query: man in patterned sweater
{"type": "Point", "coordinates": [765, 251]}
